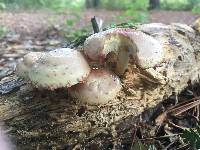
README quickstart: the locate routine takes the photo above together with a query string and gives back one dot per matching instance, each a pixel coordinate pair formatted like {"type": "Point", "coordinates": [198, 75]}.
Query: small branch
{"type": "Point", "coordinates": [97, 24]}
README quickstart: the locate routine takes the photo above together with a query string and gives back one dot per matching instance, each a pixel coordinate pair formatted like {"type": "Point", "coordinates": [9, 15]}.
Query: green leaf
{"type": "Point", "coordinates": [70, 22]}
{"type": "Point", "coordinates": [152, 147]}
{"type": "Point", "coordinates": [3, 31]}
{"type": "Point", "coordinates": [139, 146]}
{"type": "Point", "coordinates": [192, 136]}
{"type": "Point", "coordinates": [2, 6]}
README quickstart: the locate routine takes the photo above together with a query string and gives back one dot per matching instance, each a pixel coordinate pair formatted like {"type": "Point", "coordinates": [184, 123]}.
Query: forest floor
{"type": "Point", "coordinates": [41, 30]}
{"type": "Point", "coordinates": [36, 23]}
{"type": "Point", "coordinates": [45, 30]}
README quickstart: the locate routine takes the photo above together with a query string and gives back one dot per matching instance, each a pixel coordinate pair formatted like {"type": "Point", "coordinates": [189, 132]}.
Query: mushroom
{"type": "Point", "coordinates": [100, 87]}
{"type": "Point", "coordinates": [144, 50]}
{"type": "Point", "coordinates": [5, 142]}
{"type": "Point", "coordinates": [153, 28]}
{"type": "Point", "coordinates": [24, 66]}
{"type": "Point", "coordinates": [196, 25]}
{"type": "Point", "coordinates": [59, 68]}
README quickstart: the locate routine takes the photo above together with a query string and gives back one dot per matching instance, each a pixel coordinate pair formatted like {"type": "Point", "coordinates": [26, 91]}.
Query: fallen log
{"type": "Point", "coordinates": [42, 119]}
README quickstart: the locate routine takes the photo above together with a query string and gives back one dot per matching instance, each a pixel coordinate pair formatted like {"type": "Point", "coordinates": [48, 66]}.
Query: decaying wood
{"type": "Point", "coordinates": [96, 24]}
{"type": "Point", "coordinates": [52, 120]}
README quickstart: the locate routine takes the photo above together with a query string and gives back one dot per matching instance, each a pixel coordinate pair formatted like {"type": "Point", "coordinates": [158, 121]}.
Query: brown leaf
{"type": "Point", "coordinates": [177, 109]}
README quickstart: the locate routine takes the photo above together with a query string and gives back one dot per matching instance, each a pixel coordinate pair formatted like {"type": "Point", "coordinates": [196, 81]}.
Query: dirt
{"type": "Point", "coordinates": [37, 22]}
{"type": "Point", "coordinates": [167, 17]}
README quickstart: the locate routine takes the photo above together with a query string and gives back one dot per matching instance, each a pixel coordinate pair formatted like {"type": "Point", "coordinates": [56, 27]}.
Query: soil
{"type": "Point", "coordinates": [173, 16]}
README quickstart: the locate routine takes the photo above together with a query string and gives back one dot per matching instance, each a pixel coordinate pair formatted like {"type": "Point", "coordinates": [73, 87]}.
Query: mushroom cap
{"type": "Point", "coordinates": [59, 68]}
{"type": "Point", "coordinates": [24, 66]}
{"type": "Point", "coordinates": [4, 141]}
{"type": "Point", "coordinates": [100, 87]}
{"type": "Point", "coordinates": [146, 50]}
{"type": "Point", "coordinates": [153, 28]}
{"type": "Point", "coordinates": [196, 25]}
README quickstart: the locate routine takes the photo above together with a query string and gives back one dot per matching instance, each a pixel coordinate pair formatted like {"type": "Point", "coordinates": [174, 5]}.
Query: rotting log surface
{"type": "Point", "coordinates": [52, 120]}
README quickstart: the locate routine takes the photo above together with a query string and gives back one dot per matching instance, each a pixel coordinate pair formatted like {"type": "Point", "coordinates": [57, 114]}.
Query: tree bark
{"type": "Point", "coordinates": [92, 3]}
{"type": "Point", "coordinates": [154, 4]}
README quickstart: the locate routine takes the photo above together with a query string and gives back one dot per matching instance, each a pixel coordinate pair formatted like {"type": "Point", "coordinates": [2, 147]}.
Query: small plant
{"type": "Point", "coordinates": [3, 31]}
{"type": "Point", "coordinates": [134, 10]}
{"type": "Point", "coordinates": [130, 25]}
{"type": "Point", "coordinates": [138, 145]}
{"type": "Point", "coordinates": [137, 11]}
{"type": "Point", "coordinates": [196, 9]}
{"type": "Point", "coordinates": [175, 4]}
{"type": "Point", "coordinates": [74, 17]}
{"type": "Point", "coordinates": [57, 5]}
{"type": "Point", "coordinates": [192, 136]}
{"type": "Point", "coordinates": [2, 6]}
{"type": "Point", "coordinates": [71, 31]}
{"type": "Point", "coordinates": [77, 37]}
{"type": "Point", "coordinates": [193, 5]}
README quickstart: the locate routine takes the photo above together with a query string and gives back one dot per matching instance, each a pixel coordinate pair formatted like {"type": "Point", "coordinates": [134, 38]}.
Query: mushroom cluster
{"type": "Point", "coordinates": [69, 68]}
{"type": "Point", "coordinates": [128, 45]}
{"type": "Point", "coordinates": [91, 75]}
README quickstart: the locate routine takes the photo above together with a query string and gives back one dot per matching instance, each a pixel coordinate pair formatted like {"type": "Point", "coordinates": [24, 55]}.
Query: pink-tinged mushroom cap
{"type": "Point", "coordinates": [24, 66]}
{"type": "Point", "coordinates": [125, 43]}
{"type": "Point", "coordinates": [100, 87]}
{"type": "Point", "coordinates": [5, 143]}
{"type": "Point", "coordinates": [59, 68]}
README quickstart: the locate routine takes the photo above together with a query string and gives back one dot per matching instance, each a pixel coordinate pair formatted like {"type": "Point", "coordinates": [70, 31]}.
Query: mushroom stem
{"type": "Point", "coordinates": [122, 63]}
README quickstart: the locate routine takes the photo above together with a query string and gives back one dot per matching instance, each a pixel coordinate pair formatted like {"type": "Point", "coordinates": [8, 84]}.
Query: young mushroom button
{"type": "Point", "coordinates": [100, 87]}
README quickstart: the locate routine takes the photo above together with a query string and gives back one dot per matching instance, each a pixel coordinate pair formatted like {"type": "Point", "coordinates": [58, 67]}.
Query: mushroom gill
{"type": "Point", "coordinates": [100, 87]}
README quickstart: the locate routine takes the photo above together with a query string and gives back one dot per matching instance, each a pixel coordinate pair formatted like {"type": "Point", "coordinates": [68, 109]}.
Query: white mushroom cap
{"type": "Point", "coordinates": [146, 50]}
{"type": "Point", "coordinates": [153, 28]}
{"type": "Point", "coordinates": [23, 67]}
{"type": "Point", "coordinates": [59, 68]}
{"type": "Point", "coordinates": [100, 87]}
